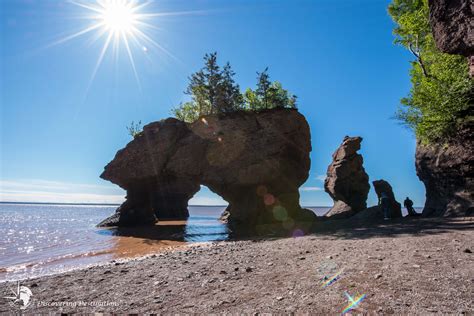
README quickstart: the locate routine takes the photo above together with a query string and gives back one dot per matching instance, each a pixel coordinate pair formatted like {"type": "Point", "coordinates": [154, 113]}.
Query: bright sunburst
{"type": "Point", "coordinates": [122, 24]}
{"type": "Point", "coordinates": [118, 16]}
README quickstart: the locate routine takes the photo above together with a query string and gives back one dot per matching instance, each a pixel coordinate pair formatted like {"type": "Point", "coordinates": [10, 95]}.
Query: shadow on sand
{"type": "Point", "coordinates": [345, 229]}
{"type": "Point", "coordinates": [409, 226]}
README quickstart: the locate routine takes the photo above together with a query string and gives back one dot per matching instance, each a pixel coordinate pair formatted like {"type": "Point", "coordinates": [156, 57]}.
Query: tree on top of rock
{"type": "Point", "coordinates": [229, 97]}
{"type": "Point", "coordinates": [263, 87]}
{"type": "Point", "coordinates": [268, 95]}
{"type": "Point", "coordinates": [213, 90]}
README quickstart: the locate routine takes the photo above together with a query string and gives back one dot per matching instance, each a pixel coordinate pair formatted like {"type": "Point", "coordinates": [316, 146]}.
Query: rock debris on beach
{"type": "Point", "coordinates": [235, 277]}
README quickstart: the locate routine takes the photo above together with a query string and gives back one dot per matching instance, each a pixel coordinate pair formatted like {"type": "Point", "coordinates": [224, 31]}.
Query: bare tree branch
{"type": "Point", "coordinates": [416, 53]}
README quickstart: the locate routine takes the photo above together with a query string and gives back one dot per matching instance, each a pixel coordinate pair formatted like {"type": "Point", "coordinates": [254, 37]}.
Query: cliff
{"type": "Point", "coordinates": [446, 166]}
{"type": "Point", "coordinates": [447, 170]}
{"type": "Point", "coordinates": [453, 27]}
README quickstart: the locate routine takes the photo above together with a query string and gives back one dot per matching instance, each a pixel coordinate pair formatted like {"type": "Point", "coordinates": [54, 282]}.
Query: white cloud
{"type": "Point", "coordinates": [311, 189]}
{"type": "Point", "coordinates": [321, 177]}
{"type": "Point", "coordinates": [205, 200]}
{"type": "Point", "coordinates": [34, 190]}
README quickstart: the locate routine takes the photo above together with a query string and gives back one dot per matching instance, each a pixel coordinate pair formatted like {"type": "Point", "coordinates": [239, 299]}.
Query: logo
{"type": "Point", "coordinates": [22, 297]}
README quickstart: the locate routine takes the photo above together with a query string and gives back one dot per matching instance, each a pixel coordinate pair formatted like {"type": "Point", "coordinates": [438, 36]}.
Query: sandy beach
{"type": "Point", "coordinates": [408, 266]}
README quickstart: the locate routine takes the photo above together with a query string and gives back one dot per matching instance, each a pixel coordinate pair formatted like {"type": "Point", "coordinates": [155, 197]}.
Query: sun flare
{"type": "Point", "coordinates": [119, 16]}
{"type": "Point", "coordinates": [123, 25]}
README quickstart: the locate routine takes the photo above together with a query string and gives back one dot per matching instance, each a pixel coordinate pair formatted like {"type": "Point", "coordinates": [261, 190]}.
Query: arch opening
{"type": "Point", "coordinates": [204, 224]}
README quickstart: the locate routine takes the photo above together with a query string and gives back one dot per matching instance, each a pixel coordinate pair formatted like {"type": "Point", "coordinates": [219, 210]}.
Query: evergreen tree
{"type": "Point", "coordinates": [229, 97]}
{"type": "Point", "coordinates": [213, 91]}
{"type": "Point", "coordinates": [263, 85]}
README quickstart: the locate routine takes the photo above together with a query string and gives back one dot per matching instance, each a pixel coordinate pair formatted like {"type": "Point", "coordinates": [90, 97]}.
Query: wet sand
{"type": "Point", "coordinates": [407, 266]}
{"type": "Point", "coordinates": [40, 240]}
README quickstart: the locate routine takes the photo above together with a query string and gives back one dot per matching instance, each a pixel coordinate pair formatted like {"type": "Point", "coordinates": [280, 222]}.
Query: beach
{"type": "Point", "coordinates": [405, 266]}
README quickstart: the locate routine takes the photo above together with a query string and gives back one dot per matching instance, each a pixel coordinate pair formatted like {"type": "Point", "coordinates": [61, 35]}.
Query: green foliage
{"type": "Point", "coordinates": [268, 95]}
{"type": "Point", "coordinates": [213, 90]}
{"type": "Point", "coordinates": [187, 112]}
{"type": "Point", "coordinates": [441, 88]}
{"type": "Point", "coordinates": [134, 129]}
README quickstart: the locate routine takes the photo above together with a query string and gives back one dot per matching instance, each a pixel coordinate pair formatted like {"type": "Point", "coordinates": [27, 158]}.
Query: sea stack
{"type": "Point", "coordinates": [382, 186]}
{"type": "Point", "coordinates": [256, 161]}
{"type": "Point", "coordinates": [347, 182]}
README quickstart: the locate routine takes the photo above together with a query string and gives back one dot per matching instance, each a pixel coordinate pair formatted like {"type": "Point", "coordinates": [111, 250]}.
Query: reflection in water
{"type": "Point", "coordinates": [43, 239]}
{"type": "Point", "coordinates": [138, 241]}
{"type": "Point", "coordinates": [198, 228]}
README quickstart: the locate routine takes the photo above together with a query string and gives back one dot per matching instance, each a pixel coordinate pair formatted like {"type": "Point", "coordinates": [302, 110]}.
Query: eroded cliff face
{"type": "Point", "coordinates": [452, 25]}
{"type": "Point", "coordinates": [347, 182]}
{"type": "Point", "coordinates": [446, 167]}
{"type": "Point", "coordinates": [255, 161]}
{"type": "Point", "coordinates": [447, 170]}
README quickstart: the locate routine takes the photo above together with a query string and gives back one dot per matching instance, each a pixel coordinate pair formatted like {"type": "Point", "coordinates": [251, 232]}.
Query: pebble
{"type": "Point", "coordinates": [467, 250]}
{"type": "Point", "coordinates": [248, 269]}
{"type": "Point", "coordinates": [378, 276]}
{"type": "Point", "coordinates": [279, 298]}
{"type": "Point", "coordinates": [416, 266]}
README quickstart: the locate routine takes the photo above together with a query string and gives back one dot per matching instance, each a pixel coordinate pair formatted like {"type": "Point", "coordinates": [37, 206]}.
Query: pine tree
{"type": "Point", "coordinates": [263, 85]}
{"type": "Point", "coordinates": [229, 97]}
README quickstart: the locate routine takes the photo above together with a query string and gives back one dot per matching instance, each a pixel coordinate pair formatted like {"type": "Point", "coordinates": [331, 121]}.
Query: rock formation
{"type": "Point", "coordinates": [375, 213]}
{"type": "Point", "coordinates": [453, 27]}
{"type": "Point", "coordinates": [382, 186]}
{"type": "Point", "coordinates": [446, 167]}
{"type": "Point", "coordinates": [347, 182]}
{"type": "Point", "coordinates": [447, 170]}
{"type": "Point", "coordinates": [254, 161]}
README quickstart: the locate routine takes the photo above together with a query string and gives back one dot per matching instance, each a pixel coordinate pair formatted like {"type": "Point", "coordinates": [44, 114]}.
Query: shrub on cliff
{"type": "Point", "coordinates": [441, 88]}
{"type": "Point", "coordinates": [213, 91]}
{"type": "Point", "coordinates": [135, 128]}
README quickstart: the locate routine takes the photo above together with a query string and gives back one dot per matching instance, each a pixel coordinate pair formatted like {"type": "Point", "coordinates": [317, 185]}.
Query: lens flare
{"type": "Point", "coordinates": [327, 281]}
{"type": "Point", "coordinates": [352, 302]}
{"type": "Point", "coordinates": [123, 26]}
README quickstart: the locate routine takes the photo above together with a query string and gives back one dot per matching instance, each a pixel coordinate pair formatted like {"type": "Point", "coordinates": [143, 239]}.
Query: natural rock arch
{"type": "Point", "coordinates": [254, 161]}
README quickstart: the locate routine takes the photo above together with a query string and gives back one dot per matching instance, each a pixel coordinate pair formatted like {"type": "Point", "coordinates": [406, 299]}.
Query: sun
{"type": "Point", "coordinates": [123, 25]}
{"type": "Point", "coordinates": [119, 16]}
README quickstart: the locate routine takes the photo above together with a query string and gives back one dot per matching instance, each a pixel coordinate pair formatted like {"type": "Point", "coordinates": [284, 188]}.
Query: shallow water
{"type": "Point", "coordinates": [40, 239]}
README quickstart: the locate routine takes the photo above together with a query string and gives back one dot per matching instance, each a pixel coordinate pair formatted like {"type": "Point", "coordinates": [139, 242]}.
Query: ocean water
{"type": "Point", "coordinates": [40, 239]}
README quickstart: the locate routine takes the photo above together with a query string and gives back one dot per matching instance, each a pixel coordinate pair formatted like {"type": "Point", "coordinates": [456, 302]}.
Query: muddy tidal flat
{"type": "Point", "coordinates": [408, 266]}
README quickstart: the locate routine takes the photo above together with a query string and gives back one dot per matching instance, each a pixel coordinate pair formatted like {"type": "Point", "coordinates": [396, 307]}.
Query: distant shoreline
{"type": "Point", "coordinates": [112, 204]}
{"type": "Point", "coordinates": [107, 204]}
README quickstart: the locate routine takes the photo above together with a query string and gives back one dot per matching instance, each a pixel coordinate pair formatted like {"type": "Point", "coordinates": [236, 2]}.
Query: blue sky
{"type": "Point", "coordinates": [59, 128]}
